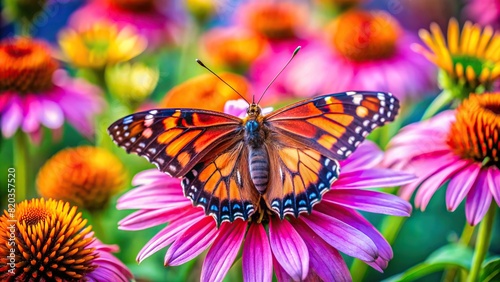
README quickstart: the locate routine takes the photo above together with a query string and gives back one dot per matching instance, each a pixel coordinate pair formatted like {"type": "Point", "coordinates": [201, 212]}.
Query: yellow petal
{"type": "Point", "coordinates": [464, 38]}
{"type": "Point", "coordinates": [474, 39]}
{"type": "Point", "coordinates": [485, 38]}
{"type": "Point", "coordinates": [453, 32]}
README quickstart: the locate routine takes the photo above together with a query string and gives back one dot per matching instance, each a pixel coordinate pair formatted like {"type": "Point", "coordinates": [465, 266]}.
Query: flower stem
{"type": "Point", "coordinates": [98, 225]}
{"type": "Point", "coordinates": [391, 226]}
{"type": "Point", "coordinates": [464, 240]}
{"type": "Point", "coordinates": [21, 161]}
{"type": "Point", "coordinates": [444, 98]}
{"type": "Point", "coordinates": [483, 243]}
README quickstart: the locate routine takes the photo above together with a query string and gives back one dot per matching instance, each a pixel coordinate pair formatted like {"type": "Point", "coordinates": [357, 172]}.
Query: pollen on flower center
{"type": "Point", "coordinates": [475, 133]}
{"type": "Point", "coordinates": [34, 215]}
{"type": "Point", "coordinates": [275, 20]}
{"type": "Point", "coordinates": [363, 36]}
{"type": "Point", "coordinates": [27, 66]}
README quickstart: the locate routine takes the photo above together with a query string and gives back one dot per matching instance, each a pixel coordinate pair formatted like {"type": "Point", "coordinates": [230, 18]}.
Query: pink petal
{"type": "Point", "coordinates": [152, 175]}
{"type": "Point", "coordinates": [379, 264]}
{"type": "Point", "coordinates": [478, 199]}
{"type": "Point", "coordinates": [372, 178]}
{"type": "Point", "coordinates": [370, 201]}
{"type": "Point", "coordinates": [144, 219]}
{"type": "Point", "coordinates": [325, 261]}
{"type": "Point", "coordinates": [257, 256]}
{"type": "Point", "coordinates": [192, 242]}
{"type": "Point", "coordinates": [342, 236]}
{"type": "Point", "coordinates": [281, 274]}
{"type": "Point", "coordinates": [170, 233]}
{"type": "Point", "coordinates": [289, 248]}
{"type": "Point", "coordinates": [223, 251]}
{"type": "Point", "coordinates": [33, 113]}
{"type": "Point", "coordinates": [460, 185]}
{"type": "Point", "coordinates": [367, 155]}
{"type": "Point", "coordinates": [52, 115]}
{"type": "Point", "coordinates": [493, 178]}
{"type": "Point", "coordinates": [354, 219]}
{"type": "Point", "coordinates": [11, 119]}
{"type": "Point", "coordinates": [434, 182]}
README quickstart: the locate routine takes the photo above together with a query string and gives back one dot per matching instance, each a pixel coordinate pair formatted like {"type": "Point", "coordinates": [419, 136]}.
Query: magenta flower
{"type": "Point", "coordinates": [484, 12]}
{"type": "Point", "coordinates": [358, 50]}
{"type": "Point", "coordinates": [109, 268]}
{"type": "Point", "coordinates": [457, 146]}
{"type": "Point", "coordinates": [157, 21]}
{"type": "Point", "coordinates": [34, 93]}
{"type": "Point", "coordinates": [296, 248]}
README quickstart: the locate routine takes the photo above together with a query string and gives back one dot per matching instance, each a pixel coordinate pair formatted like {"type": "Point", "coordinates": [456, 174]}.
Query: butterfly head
{"type": "Point", "coordinates": [254, 110]}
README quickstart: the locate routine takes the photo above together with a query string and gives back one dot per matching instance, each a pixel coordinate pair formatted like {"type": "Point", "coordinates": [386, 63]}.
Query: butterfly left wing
{"type": "Point", "coordinates": [175, 139]}
{"type": "Point", "coordinates": [334, 124]}
{"type": "Point", "coordinates": [221, 184]}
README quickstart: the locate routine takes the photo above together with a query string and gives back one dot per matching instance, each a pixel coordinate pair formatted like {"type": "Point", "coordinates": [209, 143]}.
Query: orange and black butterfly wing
{"type": "Point", "coordinates": [334, 124]}
{"type": "Point", "coordinates": [299, 176]}
{"type": "Point", "coordinates": [175, 140]}
{"type": "Point", "coordinates": [221, 184]}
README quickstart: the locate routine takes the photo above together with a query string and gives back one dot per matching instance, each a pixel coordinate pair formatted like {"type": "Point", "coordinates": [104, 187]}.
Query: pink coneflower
{"type": "Point", "coordinates": [35, 93]}
{"type": "Point", "coordinates": [484, 12]}
{"type": "Point", "coordinates": [299, 248]}
{"type": "Point", "coordinates": [461, 147]}
{"type": "Point", "coordinates": [156, 20]}
{"type": "Point", "coordinates": [109, 268]}
{"type": "Point", "coordinates": [365, 50]}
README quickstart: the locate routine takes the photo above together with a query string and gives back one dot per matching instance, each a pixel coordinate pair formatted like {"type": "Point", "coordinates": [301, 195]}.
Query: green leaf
{"type": "Point", "coordinates": [491, 270]}
{"type": "Point", "coordinates": [449, 256]}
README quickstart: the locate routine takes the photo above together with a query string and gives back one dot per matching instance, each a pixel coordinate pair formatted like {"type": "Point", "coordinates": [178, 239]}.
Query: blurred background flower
{"type": "Point", "coordinates": [35, 92]}
{"type": "Point", "coordinates": [84, 176]}
{"type": "Point", "coordinates": [54, 243]}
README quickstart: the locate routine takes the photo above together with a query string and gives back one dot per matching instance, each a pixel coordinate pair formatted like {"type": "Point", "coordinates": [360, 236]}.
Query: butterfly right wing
{"type": "Point", "coordinates": [175, 140]}
{"type": "Point", "coordinates": [222, 185]}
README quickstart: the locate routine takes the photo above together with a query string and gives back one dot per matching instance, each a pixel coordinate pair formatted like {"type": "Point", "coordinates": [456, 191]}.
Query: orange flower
{"type": "Point", "coordinates": [206, 92]}
{"type": "Point", "coordinates": [234, 48]}
{"type": "Point", "coordinates": [86, 176]}
{"type": "Point", "coordinates": [361, 35]}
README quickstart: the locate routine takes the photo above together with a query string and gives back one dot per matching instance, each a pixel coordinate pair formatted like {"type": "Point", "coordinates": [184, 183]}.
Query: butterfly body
{"type": "Point", "coordinates": [280, 163]}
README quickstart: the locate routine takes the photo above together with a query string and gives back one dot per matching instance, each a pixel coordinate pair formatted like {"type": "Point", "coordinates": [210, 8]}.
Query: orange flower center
{"type": "Point", "coordinates": [25, 66]}
{"type": "Point", "coordinates": [133, 5]}
{"type": "Point", "coordinates": [206, 92]}
{"type": "Point", "coordinates": [475, 132]}
{"type": "Point", "coordinates": [363, 36]}
{"type": "Point", "coordinates": [34, 215]}
{"type": "Point", "coordinates": [276, 20]}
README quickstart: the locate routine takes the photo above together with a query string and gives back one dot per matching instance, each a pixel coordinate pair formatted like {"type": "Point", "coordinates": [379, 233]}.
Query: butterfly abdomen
{"type": "Point", "coordinates": [259, 167]}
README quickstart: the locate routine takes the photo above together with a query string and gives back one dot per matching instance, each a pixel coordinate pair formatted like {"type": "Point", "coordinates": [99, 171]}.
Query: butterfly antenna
{"type": "Point", "coordinates": [203, 65]}
{"type": "Point", "coordinates": [282, 69]}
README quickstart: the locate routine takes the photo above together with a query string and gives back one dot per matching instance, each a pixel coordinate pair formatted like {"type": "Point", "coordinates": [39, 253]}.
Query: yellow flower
{"type": "Point", "coordinates": [51, 243]}
{"type": "Point", "coordinates": [131, 83]}
{"type": "Point", "coordinates": [202, 10]}
{"type": "Point", "coordinates": [86, 176]}
{"type": "Point", "coordinates": [469, 59]}
{"type": "Point", "coordinates": [206, 92]}
{"type": "Point", "coordinates": [103, 43]}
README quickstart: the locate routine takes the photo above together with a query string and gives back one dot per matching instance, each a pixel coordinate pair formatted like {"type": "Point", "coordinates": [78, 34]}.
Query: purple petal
{"type": "Point", "coordinates": [144, 219]}
{"type": "Point", "coordinates": [325, 261]}
{"type": "Point", "coordinates": [257, 256]}
{"type": "Point", "coordinates": [341, 236]}
{"type": "Point", "coordinates": [51, 115]}
{"type": "Point", "coordinates": [152, 175]}
{"type": "Point", "coordinates": [379, 264]}
{"type": "Point", "coordinates": [434, 182]}
{"type": "Point", "coordinates": [11, 119]}
{"type": "Point", "coordinates": [289, 248]}
{"type": "Point", "coordinates": [33, 113]}
{"type": "Point", "coordinates": [460, 185]}
{"type": "Point", "coordinates": [493, 178]}
{"type": "Point", "coordinates": [354, 219]}
{"type": "Point", "coordinates": [192, 242]}
{"type": "Point", "coordinates": [170, 233]}
{"type": "Point", "coordinates": [370, 201]}
{"type": "Point", "coordinates": [372, 178]}
{"type": "Point", "coordinates": [223, 251]}
{"type": "Point", "coordinates": [478, 199]}
{"type": "Point", "coordinates": [368, 155]}
{"type": "Point", "coordinates": [281, 274]}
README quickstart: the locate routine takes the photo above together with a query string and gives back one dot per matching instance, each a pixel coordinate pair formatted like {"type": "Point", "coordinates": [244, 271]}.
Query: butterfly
{"type": "Point", "coordinates": [281, 162]}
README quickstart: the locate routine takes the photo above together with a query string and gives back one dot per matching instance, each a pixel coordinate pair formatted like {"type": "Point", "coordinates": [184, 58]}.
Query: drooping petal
{"type": "Point", "coordinates": [223, 251]}
{"type": "Point", "coordinates": [33, 112]}
{"type": "Point", "coordinates": [354, 219]}
{"type": "Point", "coordinates": [170, 233]}
{"type": "Point", "coordinates": [370, 201]}
{"type": "Point", "coordinates": [460, 185]}
{"type": "Point", "coordinates": [11, 119]}
{"type": "Point", "coordinates": [478, 199]}
{"type": "Point", "coordinates": [257, 256]}
{"type": "Point", "coordinates": [372, 178]}
{"type": "Point", "coordinates": [367, 155]}
{"type": "Point", "coordinates": [493, 178]}
{"type": "Point", "coordinates": [288, 248]}
{"type": "Point", "coordinates": [342, 236]}
{"type": "Point", "coordinates": [52, 115]}
{"type": "Point", "coordinates": [143, 219]}
{"type": "Point", "coordinates": [325, 261]}
{"type": "Point", "coordinates": [192, 242]}
{"type": "Point", "coordinates": [281, 274]}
